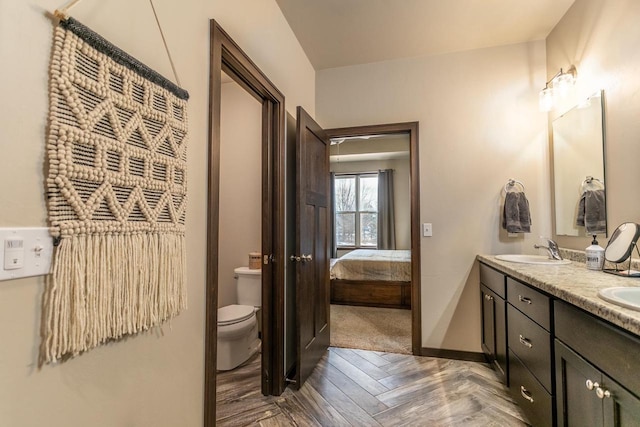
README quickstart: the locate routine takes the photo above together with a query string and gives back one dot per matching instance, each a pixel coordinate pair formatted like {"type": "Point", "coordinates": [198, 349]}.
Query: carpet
{"type": "Point", "coordinates": [371, 328]}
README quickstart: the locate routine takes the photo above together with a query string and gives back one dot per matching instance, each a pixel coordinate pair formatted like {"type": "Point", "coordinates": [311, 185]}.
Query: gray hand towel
{"type": "Point", "coordinates": [516, 217]}
{"type": "Point", "coordinates": [592, 213]}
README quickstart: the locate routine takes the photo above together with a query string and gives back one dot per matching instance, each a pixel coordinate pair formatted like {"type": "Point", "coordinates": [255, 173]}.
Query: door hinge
{"type": "Point", "coordinates": [266, 259]}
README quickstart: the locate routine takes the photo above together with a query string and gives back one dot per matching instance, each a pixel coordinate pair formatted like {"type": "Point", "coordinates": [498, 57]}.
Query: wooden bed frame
{"type": "Point", "coordinates": [371, 293]}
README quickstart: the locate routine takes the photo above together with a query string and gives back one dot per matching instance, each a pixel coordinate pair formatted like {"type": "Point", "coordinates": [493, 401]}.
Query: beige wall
{"type": "Point", "coordinates": [240, 185]}
{"type": "Point", "coordinates": [156, 378]}
{"type": "Point", "coordinates": [479, 126]}
{"type": "Point", "coordinates": [401, 191]}
{"type": "Point", "coordinates": [601, 40]}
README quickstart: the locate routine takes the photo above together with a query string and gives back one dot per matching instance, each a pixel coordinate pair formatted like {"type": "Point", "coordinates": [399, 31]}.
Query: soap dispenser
{"type": "Point", "coordinates": [595, 255]}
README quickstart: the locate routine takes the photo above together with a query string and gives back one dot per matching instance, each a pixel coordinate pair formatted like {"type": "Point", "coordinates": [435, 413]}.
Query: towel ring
{"type": "Point", "coordinates": [589, 180]}
{"type": "Point", "coordinates": [509, 186]}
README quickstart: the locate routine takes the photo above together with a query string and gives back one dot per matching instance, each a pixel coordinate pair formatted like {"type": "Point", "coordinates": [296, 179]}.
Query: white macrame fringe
{"type": "Point", "coordinates": [107, 286]}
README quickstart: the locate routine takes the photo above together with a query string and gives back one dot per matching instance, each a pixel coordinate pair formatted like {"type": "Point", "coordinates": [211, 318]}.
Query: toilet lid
{"type": "Point", "coordinates": [234, 313]}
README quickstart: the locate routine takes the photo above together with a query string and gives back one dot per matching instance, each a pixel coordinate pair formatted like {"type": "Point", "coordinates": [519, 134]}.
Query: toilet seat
{"type": "Point", "coordinates": [234, 313]}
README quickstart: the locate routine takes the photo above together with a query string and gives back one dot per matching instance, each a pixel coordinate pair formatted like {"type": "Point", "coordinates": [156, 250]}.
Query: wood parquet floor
{"type": "Point", "coordinates": [369, 388]}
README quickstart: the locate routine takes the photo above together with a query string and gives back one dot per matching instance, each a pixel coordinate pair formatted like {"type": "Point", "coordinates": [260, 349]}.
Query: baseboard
{"type": "Point", "coordinates": [471, 356]}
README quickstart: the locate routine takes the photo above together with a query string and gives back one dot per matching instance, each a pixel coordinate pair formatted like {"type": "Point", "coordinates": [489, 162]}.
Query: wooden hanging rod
{"type": "Point", "coordinates": [61, 13]}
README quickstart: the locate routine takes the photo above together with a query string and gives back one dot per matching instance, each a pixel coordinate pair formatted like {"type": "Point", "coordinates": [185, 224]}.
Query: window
{"type": "Point", "coordinates": [356, 210]}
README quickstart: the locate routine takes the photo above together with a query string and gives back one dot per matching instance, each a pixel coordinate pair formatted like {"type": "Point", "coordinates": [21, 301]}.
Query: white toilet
{"type": "Point", "coordinates": [237, 323]}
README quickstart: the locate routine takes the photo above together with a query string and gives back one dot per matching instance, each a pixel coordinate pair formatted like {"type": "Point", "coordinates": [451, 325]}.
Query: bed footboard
{"type": "Point", "coordinates": [378, 293]}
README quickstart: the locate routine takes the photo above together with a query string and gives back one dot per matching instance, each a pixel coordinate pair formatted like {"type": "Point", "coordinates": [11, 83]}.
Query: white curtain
{"type": "Point", "coordinates": [386, 216]}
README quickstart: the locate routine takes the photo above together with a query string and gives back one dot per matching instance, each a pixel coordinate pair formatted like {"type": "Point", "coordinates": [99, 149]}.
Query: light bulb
{"type": "Point", "coordinates": [563, 83]}
{"type": "Point", "coordinates": [546, 99]}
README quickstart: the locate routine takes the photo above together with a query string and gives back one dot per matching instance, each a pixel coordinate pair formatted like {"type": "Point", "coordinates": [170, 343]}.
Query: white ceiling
{"type": "Point", "coordinates": [336, 33]}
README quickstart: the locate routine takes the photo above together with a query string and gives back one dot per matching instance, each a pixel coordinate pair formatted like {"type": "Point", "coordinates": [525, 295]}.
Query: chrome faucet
{"type": "Point", "coordinates": [552, 249]}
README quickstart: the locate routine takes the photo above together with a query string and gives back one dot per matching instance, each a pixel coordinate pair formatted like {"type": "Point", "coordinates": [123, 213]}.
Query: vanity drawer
{"type": "Point", "coordinates": [493, 280]}
{"type": "Point", "coordinates": [532, 344]}
{"type": "Point", "coordinates": [530, 395]}
{"type": "Point", "coordinates": [531, 302]}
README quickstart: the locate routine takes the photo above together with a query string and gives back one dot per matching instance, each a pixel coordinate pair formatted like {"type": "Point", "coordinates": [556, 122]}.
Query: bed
{"type": "Point", "coordinates": [373, 278]}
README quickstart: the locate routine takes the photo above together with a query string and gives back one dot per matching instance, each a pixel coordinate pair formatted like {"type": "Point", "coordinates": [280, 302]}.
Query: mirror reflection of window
{"type": "Point", "coordinates": [578, 155]}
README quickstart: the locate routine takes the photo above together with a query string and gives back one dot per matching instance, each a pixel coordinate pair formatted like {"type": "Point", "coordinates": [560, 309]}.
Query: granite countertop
{"type": "Point", "coordinates": [575, 284]}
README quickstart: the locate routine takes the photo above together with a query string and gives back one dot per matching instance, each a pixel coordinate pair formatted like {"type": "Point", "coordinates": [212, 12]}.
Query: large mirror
{"type": "Point", "coordinates": [578, 169]}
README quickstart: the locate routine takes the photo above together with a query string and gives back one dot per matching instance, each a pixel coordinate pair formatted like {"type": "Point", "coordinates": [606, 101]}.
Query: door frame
{"type": "Point", "coordinates": [226, 55]}
{"type": "Point", "coordinates": [410, 128]}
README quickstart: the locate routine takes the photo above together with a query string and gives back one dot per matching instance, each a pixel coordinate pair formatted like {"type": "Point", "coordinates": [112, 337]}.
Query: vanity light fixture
{"type": "Point", "coordinates": [558, 86]}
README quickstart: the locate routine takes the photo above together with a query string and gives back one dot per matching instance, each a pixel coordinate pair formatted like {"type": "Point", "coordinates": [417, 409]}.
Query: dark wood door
{"type": "Point", "coordinates": [311, 259]}
{"type": "Point", "coordinates": [488, 323]}
{"type": "Point", "coordinates": [621, 408]}
{"type": "Point", "coordinates": [500, 334]}
{"type": "Point", "coordinates": [576, 399]}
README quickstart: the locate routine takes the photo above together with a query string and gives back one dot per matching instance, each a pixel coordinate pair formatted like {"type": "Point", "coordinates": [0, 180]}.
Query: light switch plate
{"type": "Point", "coordinates": [37, 251]}
{"type": "Point", "coordinates": [427, 229]}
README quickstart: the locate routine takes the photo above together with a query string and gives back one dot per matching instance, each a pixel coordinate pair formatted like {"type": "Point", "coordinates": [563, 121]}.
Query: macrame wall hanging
{"type": "Point", "coordinates": [117, 190]}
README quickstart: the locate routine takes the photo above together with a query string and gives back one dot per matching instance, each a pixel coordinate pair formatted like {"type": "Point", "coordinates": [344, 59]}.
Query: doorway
{"type": "Point", "coordinates": [240, 186]}
{"type": "Point", "coordinates": [372, 243]}
{"type": "Point", "coordinates": [409, 129]}
{"type": "Point", "coordinates": [226, 55]}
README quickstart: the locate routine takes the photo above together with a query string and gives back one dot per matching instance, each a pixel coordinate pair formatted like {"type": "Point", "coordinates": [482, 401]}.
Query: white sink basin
{"type": "Point", "coordinates": [532, 259]}
{"type": "Point", "coordinates": [626, 297]}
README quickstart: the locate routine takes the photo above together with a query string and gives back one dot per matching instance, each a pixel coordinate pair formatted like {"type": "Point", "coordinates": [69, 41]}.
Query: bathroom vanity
{"type": "Point", "coordinates": [568, 357]}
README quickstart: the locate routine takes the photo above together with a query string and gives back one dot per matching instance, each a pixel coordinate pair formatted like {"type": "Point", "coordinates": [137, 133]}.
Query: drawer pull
{"type": "Point", "coordinates": [488, 297]}
{"type": "Point", "coordinates": [591, 385]}
{"type": "Point", "coordinates": [524, 299]}
{"type": "Point", "coordinates": [525, 342]}
{"type": "Point", "coordinates": [602, 393]}
{"type": "Point", "coordinates": [525, 393]}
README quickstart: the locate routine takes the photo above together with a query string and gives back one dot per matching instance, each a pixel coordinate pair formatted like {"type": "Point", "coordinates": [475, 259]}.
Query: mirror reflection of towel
{"type": "Point", "coordinates": [516, 217]}
{"type": "Point", "coordinates": [592, 213]}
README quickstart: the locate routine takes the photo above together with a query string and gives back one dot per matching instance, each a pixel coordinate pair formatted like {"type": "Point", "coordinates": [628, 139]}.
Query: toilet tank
{"type": "Point", "coordinates": [249, 286]}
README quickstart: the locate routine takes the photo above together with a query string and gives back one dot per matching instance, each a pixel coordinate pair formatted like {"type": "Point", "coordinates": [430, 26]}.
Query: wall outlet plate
{"type": "Point", "coordinates": [35, 257]}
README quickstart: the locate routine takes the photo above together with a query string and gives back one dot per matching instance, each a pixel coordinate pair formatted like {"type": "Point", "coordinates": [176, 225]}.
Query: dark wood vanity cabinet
{"type": "Point", "coordinates": [530, 351]}
{"type": "Point", "coordinates": [563, 366]}
{"type": "Point", "coordinates": [597, 371]}
{"type": "Point", "coordinates": [494, 327]}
